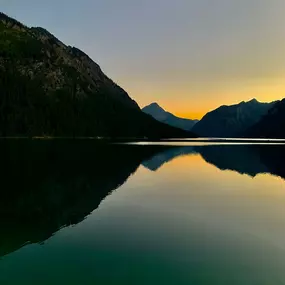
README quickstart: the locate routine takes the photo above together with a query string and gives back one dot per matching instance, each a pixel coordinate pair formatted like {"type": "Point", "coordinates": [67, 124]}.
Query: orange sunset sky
{"type": "Point", "coordinates": [189, 56]}
{"type": "Point", "coordinates": [191, 103]}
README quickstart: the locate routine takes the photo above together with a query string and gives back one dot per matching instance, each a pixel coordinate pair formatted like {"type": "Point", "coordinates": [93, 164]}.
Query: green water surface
{"type": "Point", "coordinates": [76, 212]}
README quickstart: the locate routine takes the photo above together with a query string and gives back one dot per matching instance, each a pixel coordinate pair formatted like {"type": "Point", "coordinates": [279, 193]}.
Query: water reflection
{"type": "Point", "coordinates": [180, 217]}
{"type": "Point", "coordinates": [244, 159]}
{"type": "Point", "coordinates": [46, 185]}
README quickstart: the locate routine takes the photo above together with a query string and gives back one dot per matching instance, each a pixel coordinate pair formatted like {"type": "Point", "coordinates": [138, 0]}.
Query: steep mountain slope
{"type": "Point", "coordinates": [48, 88]}
{"type": "Point", "coordinates": [272, 125]}
{"type": "Point", "coordinates": [165, 117]}
{"type": "Point", "coordinates": [231, 121]}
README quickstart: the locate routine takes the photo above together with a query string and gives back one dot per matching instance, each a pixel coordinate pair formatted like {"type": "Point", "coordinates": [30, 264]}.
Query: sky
{"type": "Point", "coordinates": [189, 56]}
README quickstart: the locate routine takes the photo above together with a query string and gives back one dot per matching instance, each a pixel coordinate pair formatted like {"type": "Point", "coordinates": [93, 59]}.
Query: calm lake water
{"type": "Point", "coordinates": [76, 212]}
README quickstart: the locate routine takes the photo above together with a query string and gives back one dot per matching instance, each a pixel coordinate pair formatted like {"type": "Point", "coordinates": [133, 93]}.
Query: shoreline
{"type": "Point", "coordinates": [160, 141]}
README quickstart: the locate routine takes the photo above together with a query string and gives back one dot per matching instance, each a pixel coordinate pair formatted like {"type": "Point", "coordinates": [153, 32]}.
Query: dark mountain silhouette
{"type": "Point", "coordinates": [163, 116]}
{"type": "Point", "coordinates": [274, 160]}
{"type": "Point", "coordinates": [231, 121]}
{"type": "Point", "coordinates": [272, 125]}
{"type": "Point", "coordinates": [244, 159]}
{"type": "Point", "coordinates": [50, 89]}
{"type": "Point", "coordinates": [47, 185]}
{"type": "Point", "coordinates": [167, 155]}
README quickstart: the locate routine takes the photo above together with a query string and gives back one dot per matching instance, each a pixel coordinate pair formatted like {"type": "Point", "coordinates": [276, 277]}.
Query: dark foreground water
{"type": "Point", "coordinates": [75, 212]}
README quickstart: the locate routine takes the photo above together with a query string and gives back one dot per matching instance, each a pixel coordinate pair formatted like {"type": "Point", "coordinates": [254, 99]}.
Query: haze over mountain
{"type": "Point", "coordinates": [231, 121]}
{"type": "Point", "coordinates": [163, 116]}
{"type": "Point", "coordinates": [272, 125]}
{"type": "Point", "coordinates": [48, 88]}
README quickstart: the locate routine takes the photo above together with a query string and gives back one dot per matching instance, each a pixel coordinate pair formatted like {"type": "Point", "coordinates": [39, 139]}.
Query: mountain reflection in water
{"type": "Point", "coordinates": [47, 185]}
{"type": "Point", "coordinates": [244, 159]}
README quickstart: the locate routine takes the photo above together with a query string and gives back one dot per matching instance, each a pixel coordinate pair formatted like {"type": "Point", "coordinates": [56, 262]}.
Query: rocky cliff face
{"type": "Point", "coordinates": [48, 88]}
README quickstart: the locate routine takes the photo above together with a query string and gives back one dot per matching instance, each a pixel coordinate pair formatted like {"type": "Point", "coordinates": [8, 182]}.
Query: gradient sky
{"type": "Point", "coordinates": [190, 56]}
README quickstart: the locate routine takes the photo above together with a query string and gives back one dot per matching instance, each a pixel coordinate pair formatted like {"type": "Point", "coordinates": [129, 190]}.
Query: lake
{"type": "Point", "coordinates": [80, 212]}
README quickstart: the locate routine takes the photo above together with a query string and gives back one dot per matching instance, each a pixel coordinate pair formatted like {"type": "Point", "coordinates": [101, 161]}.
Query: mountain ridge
{"type": "Point", "coordinates": [161, 115]}
{"type": "Point", "coordinates": [51, 89]}
{"type": "Point", "coordinates": [271, 125]}
{"type": "Point", "coordinates": [231, 120]}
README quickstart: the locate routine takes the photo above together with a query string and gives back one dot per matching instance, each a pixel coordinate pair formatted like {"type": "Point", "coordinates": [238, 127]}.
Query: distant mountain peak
{"type": "Point", "coordinates": [254, 100]}
{"type": "Point", "coordinates": [232, 120]}
{"type": "Point", "coordinates": [272, 125]}
{"type": "Point", "coordinates": [154, 105]}
{"type": "Point", "coordinates": [158, 113]}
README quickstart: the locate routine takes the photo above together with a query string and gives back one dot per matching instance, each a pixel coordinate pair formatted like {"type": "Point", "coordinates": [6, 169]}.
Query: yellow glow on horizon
{"type": "Point", "coordinates": [194, 103]}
